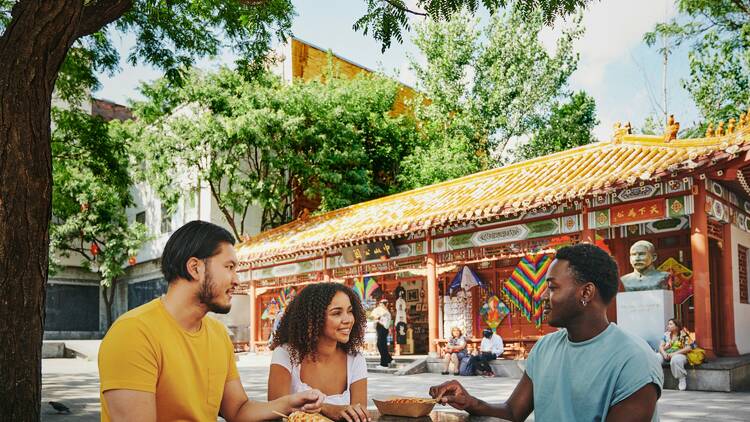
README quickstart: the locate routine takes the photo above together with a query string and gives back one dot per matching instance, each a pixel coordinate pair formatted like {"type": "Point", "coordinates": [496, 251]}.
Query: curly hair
{"type": "Point", "coordinates": [590, 263]}
{"type": "Point", "coordinates": [304, 320]}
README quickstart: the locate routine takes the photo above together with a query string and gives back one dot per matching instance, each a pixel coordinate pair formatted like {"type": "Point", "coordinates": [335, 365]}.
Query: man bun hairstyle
{"type": "Point", "coordinates": [199, 239]}
{"type": "Point", "coordinates": [590, 263]}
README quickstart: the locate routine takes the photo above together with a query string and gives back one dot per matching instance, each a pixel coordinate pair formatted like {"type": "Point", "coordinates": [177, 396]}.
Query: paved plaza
{"type": "Point", "coordinates": [75, 382]}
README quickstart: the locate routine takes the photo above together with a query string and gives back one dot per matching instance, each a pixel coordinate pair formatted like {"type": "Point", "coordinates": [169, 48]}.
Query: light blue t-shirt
{"type": "Point", "coordinates": [581, 381]}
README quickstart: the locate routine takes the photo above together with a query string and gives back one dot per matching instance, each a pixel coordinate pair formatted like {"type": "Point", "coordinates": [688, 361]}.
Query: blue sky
{"type": "Point", "coordinates": [622, 74]}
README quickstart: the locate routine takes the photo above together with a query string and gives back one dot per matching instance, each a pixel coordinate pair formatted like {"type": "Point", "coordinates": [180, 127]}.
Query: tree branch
{"type": "Point", "coordinates": [223, 209]}
{"type": "Point", "coordinates": [80, 251]}
{"type": "Point", "coordinates": [100, 14]}
{"type": "Point", "coordinates": [404, 8]}
{"type": "Point", "coordinates": [742, 6]}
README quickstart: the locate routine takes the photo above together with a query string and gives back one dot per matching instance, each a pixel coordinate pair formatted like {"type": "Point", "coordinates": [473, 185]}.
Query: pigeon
{"type": "Point", "coordinates": [61, 408]}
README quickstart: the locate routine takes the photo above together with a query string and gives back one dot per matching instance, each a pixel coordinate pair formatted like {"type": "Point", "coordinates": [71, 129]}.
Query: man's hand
{"type": "Point", "coordinates": [453, 394]}
{"type": "Point", "coordinates": [309, 401]}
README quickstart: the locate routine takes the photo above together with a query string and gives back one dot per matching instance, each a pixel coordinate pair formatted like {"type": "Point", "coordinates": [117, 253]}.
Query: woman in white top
{"type": "Point", "coordinates": [317, 346]}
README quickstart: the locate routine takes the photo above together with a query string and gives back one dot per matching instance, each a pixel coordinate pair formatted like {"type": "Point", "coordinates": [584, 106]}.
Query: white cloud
{"type": "Point", "coordinates": [613, 29]}
{"type": "Point", "coordinates": [627, 110]}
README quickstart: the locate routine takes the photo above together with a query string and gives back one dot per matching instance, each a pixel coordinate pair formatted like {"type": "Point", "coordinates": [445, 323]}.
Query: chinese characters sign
{"type": "Point", "coordinates": [370, 251]}
{"type": "Point", "coordinates": [631, 213]}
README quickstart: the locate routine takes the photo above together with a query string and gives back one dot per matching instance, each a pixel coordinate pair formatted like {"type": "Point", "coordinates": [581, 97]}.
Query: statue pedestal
{"type": "Point", "coordinates": [645, 313]}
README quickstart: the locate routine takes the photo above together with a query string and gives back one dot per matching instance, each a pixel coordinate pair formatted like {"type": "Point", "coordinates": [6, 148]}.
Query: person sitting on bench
{"type": "Point", "coordinates": [490, 349]}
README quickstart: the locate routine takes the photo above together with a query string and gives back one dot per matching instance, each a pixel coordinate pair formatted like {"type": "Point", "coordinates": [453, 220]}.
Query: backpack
{"type": "Point", "coordinates": [466, 368]}
{"type": "Point", "coordinates": [696, 356]}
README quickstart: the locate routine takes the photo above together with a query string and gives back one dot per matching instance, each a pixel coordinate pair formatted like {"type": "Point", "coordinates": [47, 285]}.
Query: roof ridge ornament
{"type": "Point", "coordinates": [673, 128]}
{"type": "Point", "coordinates": [621, 131]}
{"type": "Point", "coordinates": [730, 126]}
{"type": "Point", "coordinates": [710, 130]}
{"type": "Point", "coordinates": [719, 129]}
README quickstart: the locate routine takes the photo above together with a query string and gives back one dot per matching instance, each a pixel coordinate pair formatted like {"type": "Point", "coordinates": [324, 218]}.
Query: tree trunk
{"type": "Point", "coordinates": [108, 294]}
{"type": "Point", "coordinates": [32, 48]}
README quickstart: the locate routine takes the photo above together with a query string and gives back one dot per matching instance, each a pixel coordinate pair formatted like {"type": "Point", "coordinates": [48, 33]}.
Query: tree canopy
{"type": "Point", "coordinates": [261, 143]}
{"type": "Point", "coordinates": [483, 87]}
{"type": "Point", "coordinates": [570, 124]}
{"type": "Point", "coordinates": [718, 32]}
{"type": "Point", "coordinates": [90, 193]}
{"type": "Point", "coordinates": [386, 20]}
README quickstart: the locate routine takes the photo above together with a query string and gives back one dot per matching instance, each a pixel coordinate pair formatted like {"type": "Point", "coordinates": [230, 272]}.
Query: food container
{"type": "Point", "coordinates": [300, 416]}
{"type": "Point", "coordinates": [411, 407]}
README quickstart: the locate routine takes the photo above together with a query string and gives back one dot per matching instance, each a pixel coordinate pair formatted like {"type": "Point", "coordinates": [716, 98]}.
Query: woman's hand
{"type": "Point", "coordinates": [349, 413]}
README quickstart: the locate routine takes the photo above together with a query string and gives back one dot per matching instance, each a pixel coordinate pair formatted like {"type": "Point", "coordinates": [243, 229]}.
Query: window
{"type": "Point", "coordinates": [141, 217]}
{"type": "Point", "coordinates": [166, 220]}
{"type": "Point", "coordinates": [743, 275]}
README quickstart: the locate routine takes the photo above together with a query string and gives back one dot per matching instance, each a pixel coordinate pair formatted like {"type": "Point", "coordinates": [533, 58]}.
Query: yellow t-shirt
{"type": "Point", "coordinates": [146, 350]}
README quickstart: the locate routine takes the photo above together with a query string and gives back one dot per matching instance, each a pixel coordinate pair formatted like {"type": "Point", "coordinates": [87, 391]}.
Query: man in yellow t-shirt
{"type": "Point", "coordinates": [167, 361]}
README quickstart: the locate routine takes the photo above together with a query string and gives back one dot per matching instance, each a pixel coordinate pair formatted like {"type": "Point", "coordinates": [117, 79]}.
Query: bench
{"type": "Point", "coordinates": [719, 374]}
{"type": "Point", "coordinates": [241, 346]}
{"type": "Point", "coordinates": [261, 347]}
{"type": "Point", "coordinates": [514, 348]}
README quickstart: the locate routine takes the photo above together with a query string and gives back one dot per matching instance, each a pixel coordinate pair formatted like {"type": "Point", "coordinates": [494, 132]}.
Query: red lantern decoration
{"type": "Point", "coordinates": [94, 249]}
{"type": "Point", "coordinates": [132, 260]}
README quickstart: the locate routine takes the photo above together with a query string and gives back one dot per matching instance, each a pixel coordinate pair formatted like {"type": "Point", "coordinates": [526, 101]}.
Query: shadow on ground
{"type": "Point", "coordinates": [79, 392]}
{"type": "Point", "coordinates": [75, 382]}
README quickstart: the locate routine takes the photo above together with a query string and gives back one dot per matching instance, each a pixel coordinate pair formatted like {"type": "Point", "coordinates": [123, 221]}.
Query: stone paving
{"type": "Point", "coordinates": [75, 382]}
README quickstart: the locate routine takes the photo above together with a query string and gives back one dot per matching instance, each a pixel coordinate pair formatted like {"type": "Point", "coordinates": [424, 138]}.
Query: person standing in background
{"type": "Point", "coordinates": [383, 317]}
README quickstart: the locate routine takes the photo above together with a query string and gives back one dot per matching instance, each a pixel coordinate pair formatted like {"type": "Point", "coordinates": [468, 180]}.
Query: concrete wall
{"type": "Point", "coordinates": [741, 310]}
{"type": "Point", "coordinates": [145, 199]}
{"type": "Point", "coordinates": [62, 320]}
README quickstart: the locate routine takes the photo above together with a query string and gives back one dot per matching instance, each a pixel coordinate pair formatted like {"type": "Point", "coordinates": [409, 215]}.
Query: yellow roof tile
{"type": "Point", "coordinates": [557, 177]}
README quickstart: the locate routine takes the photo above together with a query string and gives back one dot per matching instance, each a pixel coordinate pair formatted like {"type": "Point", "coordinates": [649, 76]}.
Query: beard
{"type": "Point", "coordinates": [207, 297]}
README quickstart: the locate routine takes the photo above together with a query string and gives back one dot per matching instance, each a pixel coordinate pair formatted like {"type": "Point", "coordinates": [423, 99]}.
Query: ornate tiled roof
{"type": "Point", "coordinates": [565, 176]}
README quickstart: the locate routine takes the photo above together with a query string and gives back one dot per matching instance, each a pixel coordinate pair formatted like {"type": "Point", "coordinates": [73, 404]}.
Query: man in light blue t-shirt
{"type": "Point", "coordinates": [590, 369]}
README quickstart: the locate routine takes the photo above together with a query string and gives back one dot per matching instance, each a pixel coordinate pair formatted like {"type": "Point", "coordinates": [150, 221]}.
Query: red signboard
{"type": "Point", "coordinates": [654, 209]}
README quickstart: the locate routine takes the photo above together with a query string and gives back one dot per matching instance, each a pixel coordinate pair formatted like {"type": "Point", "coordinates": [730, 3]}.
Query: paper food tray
{"type": "Point", "coordinates": [411, 410]}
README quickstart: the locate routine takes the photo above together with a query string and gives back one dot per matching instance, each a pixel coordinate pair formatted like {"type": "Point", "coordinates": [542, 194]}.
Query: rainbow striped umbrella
{"type": "Point", "coordinates": [527, 284]}
{"type": "Point", "coordinates": [365, 287]}
{"type": "Point", "coordinates": [286, 296]}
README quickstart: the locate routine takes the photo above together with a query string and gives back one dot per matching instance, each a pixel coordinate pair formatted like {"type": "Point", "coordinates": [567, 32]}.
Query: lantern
{"type": "Point", "coordinates": [94, 249]}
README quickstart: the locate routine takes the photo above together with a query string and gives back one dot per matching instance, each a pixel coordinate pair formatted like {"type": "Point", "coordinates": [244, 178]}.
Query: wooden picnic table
{"type": "Point", "coordinates": [438, 415]}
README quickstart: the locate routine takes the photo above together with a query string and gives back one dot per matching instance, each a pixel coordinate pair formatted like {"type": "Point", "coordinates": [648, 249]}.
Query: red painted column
{"type": "Point", "coordinates": [727, 344]}
{"type": "Point", "coordinates": [701, 278]}
{"type": "Point", "coordinates": [587, 234]}
{"type": "Point", "coordinates": [432, 296]}
{"type": "Point", "coordinates": [326, 273]}
{"type": "Point", "coordinates": [253, 313]}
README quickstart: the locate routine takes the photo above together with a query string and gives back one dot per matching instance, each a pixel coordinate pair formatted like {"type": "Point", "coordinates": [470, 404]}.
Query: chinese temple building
{"type": "Point", "coordinates": [689, 197]}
